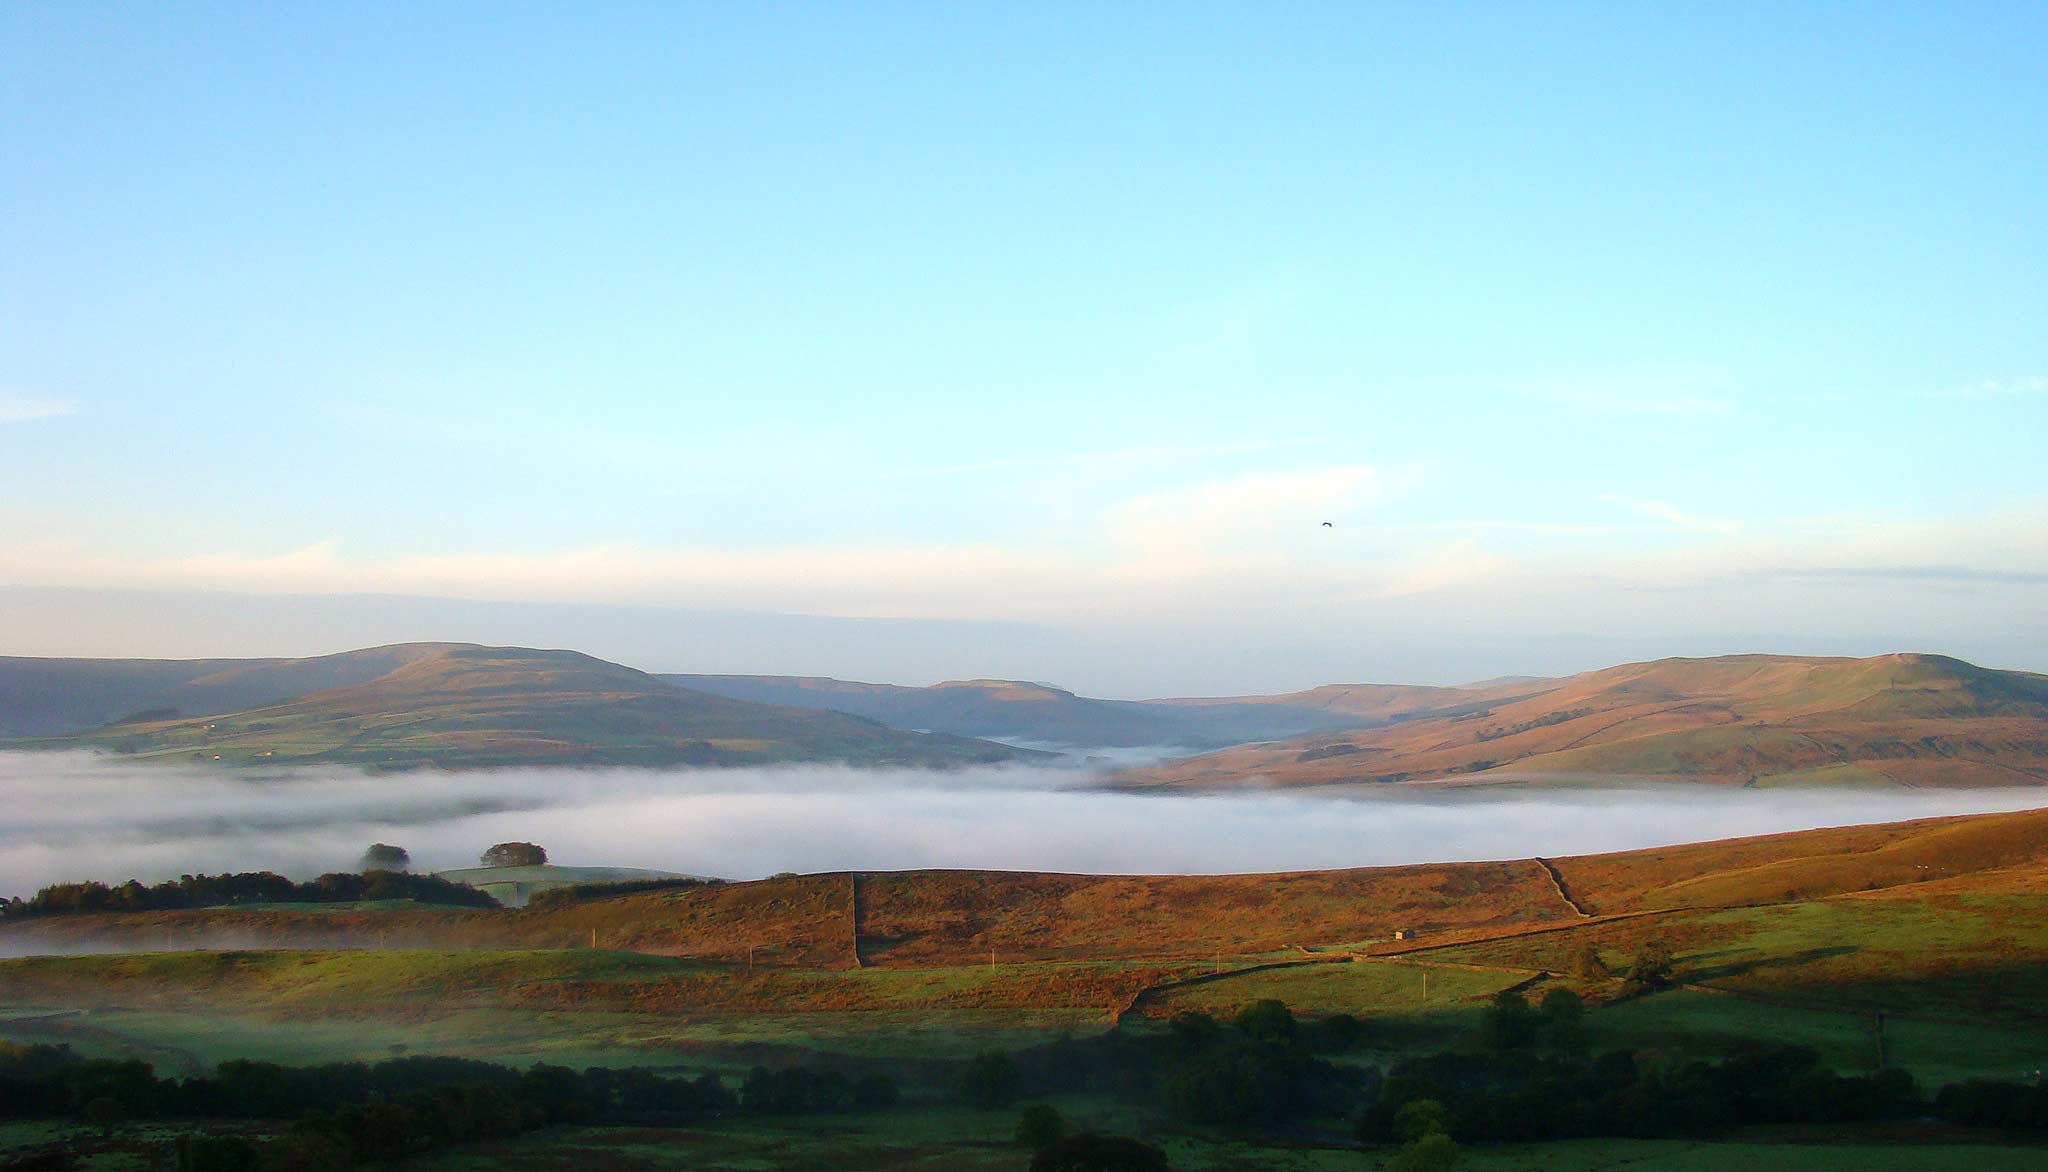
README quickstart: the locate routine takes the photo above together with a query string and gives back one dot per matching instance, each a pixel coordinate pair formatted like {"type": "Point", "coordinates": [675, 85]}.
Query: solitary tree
{"type": "Point", "coordinates": [515, 854]}
{"type": "Point", "coordinates": [1652, 965]}
{"type": "Point", "coordinates": [383, 856]}
{"type": "Point", "coordinates": [1509, 1022]}
{"type": "Point", "coordinates": [1266, 1021]}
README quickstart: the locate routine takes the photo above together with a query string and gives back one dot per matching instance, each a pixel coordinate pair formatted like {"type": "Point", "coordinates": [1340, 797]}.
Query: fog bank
{"type": "Point", "coordinates": [72, 816]}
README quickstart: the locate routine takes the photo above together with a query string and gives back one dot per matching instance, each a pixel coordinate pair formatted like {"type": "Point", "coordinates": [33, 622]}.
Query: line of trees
{"type": "Point", "coordinates": [1518, 1096]}
{"type": "Point", "coordinates": [1530, 1079]}
{"type": "Point", "coordinates": [354, 1113]}
{"type": "Point", "coordinates": [245, 887]}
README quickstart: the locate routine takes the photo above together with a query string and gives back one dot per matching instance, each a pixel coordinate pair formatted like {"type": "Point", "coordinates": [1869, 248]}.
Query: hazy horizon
{"type": "Point", "coordinates": [57, 622]}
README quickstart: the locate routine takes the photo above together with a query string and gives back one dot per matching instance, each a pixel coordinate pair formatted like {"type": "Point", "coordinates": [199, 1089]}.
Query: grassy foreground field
{"type": "Point", "coordinates": [1940, 925]}
{"type": "Point", "coordinates": [962, 1140]}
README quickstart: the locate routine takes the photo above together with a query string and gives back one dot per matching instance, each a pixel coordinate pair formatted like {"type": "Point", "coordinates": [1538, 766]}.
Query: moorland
{"type": "Point", "coordinates": [1846, 977]}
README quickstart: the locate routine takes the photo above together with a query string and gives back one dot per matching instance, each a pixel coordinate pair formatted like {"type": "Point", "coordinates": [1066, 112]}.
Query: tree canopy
{"type": "Point", "coordinates": [515, 854]}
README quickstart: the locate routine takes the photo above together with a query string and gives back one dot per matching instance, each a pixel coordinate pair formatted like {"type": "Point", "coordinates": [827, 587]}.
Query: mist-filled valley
{"type": "Point", "coordinates": [756, 587]}
{"type": "Point", "coordinates": [74, 816]}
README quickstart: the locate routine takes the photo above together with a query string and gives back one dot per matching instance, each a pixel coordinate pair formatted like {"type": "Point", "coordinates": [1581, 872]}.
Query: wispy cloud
{"type": "Point", "coordinates": [1247, 511]}
{"type": "Point", "coordinates": [1670, 514]}
{"type": "Point", "coordinates": [1966, 575]}
{"type": "Point", "coordinates": [1461, 564]}
{"type": "Point", "coordinates": [22, 407]}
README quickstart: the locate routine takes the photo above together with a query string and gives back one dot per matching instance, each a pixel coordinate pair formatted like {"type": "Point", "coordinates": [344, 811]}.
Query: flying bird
{"type": "Point", "coordinates": [1327, 525]}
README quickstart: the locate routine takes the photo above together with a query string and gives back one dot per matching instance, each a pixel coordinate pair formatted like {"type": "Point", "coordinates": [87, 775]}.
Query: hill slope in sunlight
{"type": "Point", "coordinates": [935, 918]}
{"type": "Point", "coordinates": [1916, 720]}
{"type": "Point", "coordinates": [463, 706]}
{"type": "Point", "coordinates": [51, 697]}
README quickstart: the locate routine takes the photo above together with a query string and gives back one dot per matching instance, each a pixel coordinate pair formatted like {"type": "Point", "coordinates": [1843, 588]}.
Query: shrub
{"type": "Point", "coordinates": [1423, 1117]}
{"type": "Point", "coordinates": [1267, 1021]}
{"type": "Point", "coordinates": [989, 1080]}
{"type": "Point", "coordinates": [1587, 965]}
{"type": "Point", "coordinates": [1435, 1152]}
{"type": "Point", "coordinates": [1651, 967]}
{"type": "Point", "coordinates": [1342, 1033]}
{"type": "Point", "coordinates": [1040, 1127]}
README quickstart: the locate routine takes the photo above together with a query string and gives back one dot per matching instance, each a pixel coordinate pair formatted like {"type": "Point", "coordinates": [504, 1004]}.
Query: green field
{"type": "Point", "coordinates": [944, 1139]}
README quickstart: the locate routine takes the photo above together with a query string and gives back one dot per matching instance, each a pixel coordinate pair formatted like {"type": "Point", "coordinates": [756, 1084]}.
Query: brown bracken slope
{"type": "Point", "coordinates": [930, 919]}
{"type": "Point", "coordinates": [1913, 720]}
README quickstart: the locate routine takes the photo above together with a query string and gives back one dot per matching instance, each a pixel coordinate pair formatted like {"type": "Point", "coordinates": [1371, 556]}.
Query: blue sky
{"type": "Point", "coordinates": [1723, 328]}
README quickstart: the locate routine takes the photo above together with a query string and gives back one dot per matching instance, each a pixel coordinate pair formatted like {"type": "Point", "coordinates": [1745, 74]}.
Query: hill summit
{"type": "Point", "coordinates": [457, 705]}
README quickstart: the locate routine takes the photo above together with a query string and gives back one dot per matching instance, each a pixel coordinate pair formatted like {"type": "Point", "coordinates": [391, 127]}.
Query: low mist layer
{"type": "Point", "coordinates": [73, 816]}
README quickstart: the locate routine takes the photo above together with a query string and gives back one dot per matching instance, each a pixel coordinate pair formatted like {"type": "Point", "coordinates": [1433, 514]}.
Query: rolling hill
{"type": "Point", "coordinates": [51, 697]}
{"type": "Point", "coordinates": [980, 708]}
{"type": "Point", "coordinates": [1765, 720]}
{"type": "Point", "coordinates": [1046, 714]}
{"type": "Point", "coordinates": [462, 706]}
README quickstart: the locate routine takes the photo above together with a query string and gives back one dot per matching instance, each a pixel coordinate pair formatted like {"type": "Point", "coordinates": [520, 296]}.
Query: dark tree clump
{"type": "Point", "coordinates": [382, 856]}
{"type": "Point", "coordinates": [1267, 1021]}
{"type": "Point", "coordinates": [515, 854]}
{"type": "Point", "coordinates": [1509, 1023]}
{"type": "Point", "coordinates": [989, 1080]}
{"type": "Point", "coordinates": [1564, 1019]}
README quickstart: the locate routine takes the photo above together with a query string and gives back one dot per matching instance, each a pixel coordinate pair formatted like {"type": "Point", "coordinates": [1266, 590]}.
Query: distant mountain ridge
{"type": "Point", "coordinates": [464, 706]}
{"type": "Point", "coordinates": [1759, 720]}
{"type": "Point", "coordinates": [1042, 713]}
{"type": "Point", "coordinates": [1914, 720]}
